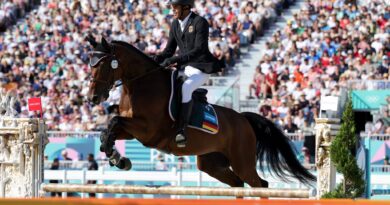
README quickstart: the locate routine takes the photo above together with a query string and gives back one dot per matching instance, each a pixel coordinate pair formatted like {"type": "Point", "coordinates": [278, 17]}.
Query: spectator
{"type": "Point", "coordinates": [270, 83]}
{"type": "Point", "coordinates": [383, 68]}
{"type": "Point", "coordinates": [379, 127]}
{"type": "Point", "coordinates": [101, 119]}
{"type": "Point", "coordinates": [66, 160]}
{"type": "Point", "coordinates": [386, 163]}
{"type": "Point", "coordinates": [92, 165]}
{"type": "Point", "coordinates": [283, 109]}
{"type": "Point", "coordinates": [266, 110]}
{"type": "Point", "coordinates": [160, 164]}
{"type": "Point", "coordinates": [304, 156]}
{"type": "Point", "coordinates": [256, 85]}
{"type": "Point", "coordinates": [55, 166]}
{"type": "Point", "coordinates": [181, 163]}
{"type": "Point", "coordinates": [299, 120]}
{"type": "Point", "coordinates": [64, 155]}
{"type": "Point", "coordinates": [290, 126]}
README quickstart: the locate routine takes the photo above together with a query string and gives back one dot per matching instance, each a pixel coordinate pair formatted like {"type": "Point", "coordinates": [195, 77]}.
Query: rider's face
{"type": "Point", "coordinates": [177, 11]}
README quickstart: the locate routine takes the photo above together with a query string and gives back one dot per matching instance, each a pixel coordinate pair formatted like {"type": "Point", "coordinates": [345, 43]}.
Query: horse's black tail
{"type": "Point", "coordinates": [275, 149]}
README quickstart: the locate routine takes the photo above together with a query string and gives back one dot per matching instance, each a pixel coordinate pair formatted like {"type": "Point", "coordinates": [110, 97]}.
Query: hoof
{"type": "Point", "coordinates": [124, 163]}
{"type": "Point", "coordinates": [264, 183]}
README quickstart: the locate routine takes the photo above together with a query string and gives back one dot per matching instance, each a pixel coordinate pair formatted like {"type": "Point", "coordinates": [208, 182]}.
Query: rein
{"type": "Point", "coordinates": [143, 75]}
{"type": "Point", "coordinates": [130, 80]}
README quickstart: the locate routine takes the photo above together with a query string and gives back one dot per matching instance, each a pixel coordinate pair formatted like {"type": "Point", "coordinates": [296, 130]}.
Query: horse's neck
{"type": "Point", "coordinates": [151, 88]}
{"type": "Point", "coordinates": [146, 100]}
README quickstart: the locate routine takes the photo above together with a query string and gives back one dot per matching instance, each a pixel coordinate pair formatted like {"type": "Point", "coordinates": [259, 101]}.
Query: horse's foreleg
{"type": "Point", "coordinates": [108, 136]}
{"type": "Point", "coordinates": [114, 131]}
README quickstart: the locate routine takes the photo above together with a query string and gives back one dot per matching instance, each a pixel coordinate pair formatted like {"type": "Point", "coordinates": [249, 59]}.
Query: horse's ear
{"type": "Point", "coordinates": [105, 44]}
{"type": "Point", "coordinates": [91, 40]}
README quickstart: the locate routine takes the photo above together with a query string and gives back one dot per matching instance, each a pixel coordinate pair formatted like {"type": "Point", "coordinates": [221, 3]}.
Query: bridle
{"type": "Point", "coordinates": [99, 56]}
{"type": "Point", "coordinates": [96, 58]}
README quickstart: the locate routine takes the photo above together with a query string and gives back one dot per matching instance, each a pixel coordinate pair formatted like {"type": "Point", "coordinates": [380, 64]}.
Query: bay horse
{"type": "Point", "coordinates": [230, 156]}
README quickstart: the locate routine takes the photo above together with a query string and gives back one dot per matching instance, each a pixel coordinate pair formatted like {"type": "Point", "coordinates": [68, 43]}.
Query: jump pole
{"type": "Point", "coordinates": [175, 190]}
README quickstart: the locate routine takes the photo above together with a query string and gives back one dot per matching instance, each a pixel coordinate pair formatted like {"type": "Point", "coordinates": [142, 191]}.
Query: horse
{"type": "Point", "coordinates": [230, 155]}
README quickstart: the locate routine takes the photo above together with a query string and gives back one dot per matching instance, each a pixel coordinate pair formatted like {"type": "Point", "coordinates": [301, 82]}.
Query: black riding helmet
{"type": "Point", "coordinates": [182, 2]}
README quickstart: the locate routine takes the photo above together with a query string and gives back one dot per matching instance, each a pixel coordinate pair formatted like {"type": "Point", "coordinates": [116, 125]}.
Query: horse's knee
{"type": "Point", "coordinates": [107, 142]}
{"type": "Point", "coordinates": [103, 139]}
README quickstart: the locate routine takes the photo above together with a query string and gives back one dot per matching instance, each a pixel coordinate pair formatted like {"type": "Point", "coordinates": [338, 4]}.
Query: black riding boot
{"type": "Point", "coordinates": [185, 114]}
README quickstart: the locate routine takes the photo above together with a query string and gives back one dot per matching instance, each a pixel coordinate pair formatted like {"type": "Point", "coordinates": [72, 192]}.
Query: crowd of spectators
{"type": "Point", "coordinates": [12, 10]}
{"type": "Point", "coordinates": [45, 55]}
{"type": "Point", "coordinates": [328, 43]}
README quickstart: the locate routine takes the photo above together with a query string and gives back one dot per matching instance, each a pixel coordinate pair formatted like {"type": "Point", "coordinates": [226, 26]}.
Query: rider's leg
{"type": "Point", "coordinates": [195, 79]}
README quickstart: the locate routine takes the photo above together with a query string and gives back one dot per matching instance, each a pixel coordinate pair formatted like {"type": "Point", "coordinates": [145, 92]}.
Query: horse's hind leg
{"type": "Point", "coordinates": [244, 166]}
{"type": "Point", "coordinates": [217, 165]}
{"type": "Point", "coordinates": [243, 159]}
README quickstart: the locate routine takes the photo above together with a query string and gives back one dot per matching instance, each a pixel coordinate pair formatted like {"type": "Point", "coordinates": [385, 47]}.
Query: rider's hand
{"type": "Point", "coordinates": [157, 58]}
{"type": "Point", "coordinates": [170, 61]}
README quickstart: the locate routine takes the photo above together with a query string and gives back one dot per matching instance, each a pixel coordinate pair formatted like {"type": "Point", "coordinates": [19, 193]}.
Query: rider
{"type": "Point", "coordinates": [190, 33]}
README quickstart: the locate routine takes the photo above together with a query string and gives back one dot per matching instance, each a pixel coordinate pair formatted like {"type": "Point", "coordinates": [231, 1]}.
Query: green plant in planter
{"type": "Point", "coordinates": [341, 153]}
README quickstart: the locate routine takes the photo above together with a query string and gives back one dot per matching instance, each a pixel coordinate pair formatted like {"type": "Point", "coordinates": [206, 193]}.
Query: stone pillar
{"type": "Point", "coordinates": [21, 156]}
{"type": "Point", "coordinates": [326, 130]}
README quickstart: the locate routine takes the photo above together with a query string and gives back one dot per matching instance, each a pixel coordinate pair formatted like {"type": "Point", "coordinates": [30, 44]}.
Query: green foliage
{"type": "Point", "coordinates": [336, 193]}
{"type": "Point", "coordinates": [344, 160]}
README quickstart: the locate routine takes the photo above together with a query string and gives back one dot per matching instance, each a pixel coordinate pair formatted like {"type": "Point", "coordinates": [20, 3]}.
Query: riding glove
{"type": "Point", "coordinates": [157, 58]}
{"type": "Point", "coordinates": [169, 61]}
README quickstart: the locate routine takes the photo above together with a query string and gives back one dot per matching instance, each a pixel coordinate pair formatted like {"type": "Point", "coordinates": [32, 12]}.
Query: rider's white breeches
{"type": "Point", "coordinates": [195, 79]}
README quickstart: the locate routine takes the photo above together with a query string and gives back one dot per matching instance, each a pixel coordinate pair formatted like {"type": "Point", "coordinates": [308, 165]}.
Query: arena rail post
{"type": "Point", "coordinates": [21, 156]}
{"type": "Point", "coordinates": [326, 130]}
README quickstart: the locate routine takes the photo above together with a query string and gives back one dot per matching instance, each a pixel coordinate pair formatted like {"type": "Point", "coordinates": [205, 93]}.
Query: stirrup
{"type": "Point", "coordinates": [181, 140]}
